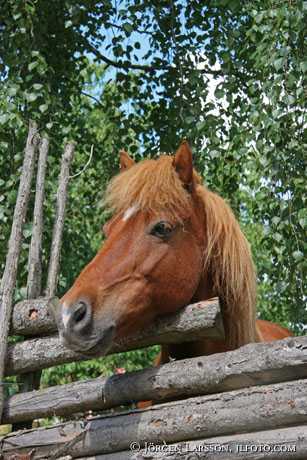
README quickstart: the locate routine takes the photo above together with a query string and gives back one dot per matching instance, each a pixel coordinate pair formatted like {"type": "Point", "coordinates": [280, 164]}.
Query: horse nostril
{"type": "Point", "coordinates": [79, 313]}
{"type": "Point", "coordinates": [80, 317]}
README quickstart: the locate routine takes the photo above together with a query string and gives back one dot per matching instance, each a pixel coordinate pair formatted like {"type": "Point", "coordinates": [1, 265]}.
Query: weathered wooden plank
{"type": "Point", "coordinates": [14, 245]}
{"type": "Point", "coordinates": [58, 226]}
{"type": "Point", "coordinates": [34, 281]}
{"type": "Point", "coordinates": [250, 409]}
{"type": "Point", "coordinates": [194, 321]}
{"type": "Point", "coordinates": [31, 381]}
{"type": "Point", "coordinates": [284, 443]}
{"type": "Point", "coordinates": [253, 364]}
{"type": "Point", "coordinates": [34, 317]}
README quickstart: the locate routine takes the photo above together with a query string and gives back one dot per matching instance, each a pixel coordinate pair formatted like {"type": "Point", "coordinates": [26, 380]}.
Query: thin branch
{"type": "Point", "coordinates": [140, 31]}
{"type": "Point", "coordinates": [85, 166]}
{"type": "Point", "coordinates": [92, 97]}
{"type": "Point", "coordinates": [144, 67]}
{"type": "Point", "coordinates": [124, 65]}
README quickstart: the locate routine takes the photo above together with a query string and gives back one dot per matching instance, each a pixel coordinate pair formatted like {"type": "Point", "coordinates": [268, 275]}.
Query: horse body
{"type": "Point", "coordinates": [171, 242]}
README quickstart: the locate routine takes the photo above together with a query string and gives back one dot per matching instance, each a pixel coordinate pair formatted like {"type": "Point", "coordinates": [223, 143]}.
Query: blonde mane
{"type": "Point", "coordinates": [154, 185]}
{"type": "Point", "coordinates": [229, 261]}
{"type": "Point", "coordinates": [151, 185]}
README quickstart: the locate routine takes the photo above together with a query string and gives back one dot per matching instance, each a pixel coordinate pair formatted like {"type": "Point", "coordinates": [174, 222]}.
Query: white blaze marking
{"type": "Point", "coordinates": [130, 212]}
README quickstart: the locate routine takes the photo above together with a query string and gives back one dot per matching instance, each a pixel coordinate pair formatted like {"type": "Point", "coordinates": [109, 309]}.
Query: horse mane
{"type": "Point", "coordinates": [229, 261]}
{"type": "Point", "coordinates": [151, 185]}
{"type": "Point", "coordinates": [154, 185]}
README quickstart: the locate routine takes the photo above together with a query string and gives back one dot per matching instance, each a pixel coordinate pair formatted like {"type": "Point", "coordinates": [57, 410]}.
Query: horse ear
{"type": "Point", "coordinates": [183, 163]}
{"type": "Point", "coordinates": [125, 161]}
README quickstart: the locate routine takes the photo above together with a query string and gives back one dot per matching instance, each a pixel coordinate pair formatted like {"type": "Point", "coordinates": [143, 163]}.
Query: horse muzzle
{"type": "Point", "coordinates": [77, 329]}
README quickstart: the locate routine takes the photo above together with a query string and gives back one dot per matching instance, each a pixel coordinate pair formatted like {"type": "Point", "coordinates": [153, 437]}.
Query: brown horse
{"type": "Point", "coordinates": [171, 242]}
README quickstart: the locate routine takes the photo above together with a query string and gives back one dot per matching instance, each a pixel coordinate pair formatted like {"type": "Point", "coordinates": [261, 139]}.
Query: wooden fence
{"type": "Point", "coordinates": [249, 403]}
{"type": "Point", "coordinates": [253, 396]}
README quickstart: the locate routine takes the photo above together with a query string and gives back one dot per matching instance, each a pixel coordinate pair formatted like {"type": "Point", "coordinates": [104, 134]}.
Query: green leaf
{"type": "Point", "coordinates": [27, 232]}
{"type": "Point", "coordinates": [219, 93]}
{"type": "Point", "coordinates": [43, 108]}
{"type": "Point", "coordinates": [33, 65]}
{"type": "Point", "coordinates": [4, 118]}
{"type": "Point", "coordinates": [278, 237]}
{"type": "Point", "coordinates": [276, 220]}
{"type": "Point", "coordinates": [303, 66]}
{"type": "Point", "coordinates": [128, 27]}
{"type": "Point", "coordinates": [31, 97]}
{"type": "Point", "coordinates": [12, 91]}
{"type": "Point", "coordinates": [298, 255]}
{"type": "Point", "coordinates": [278, 63]}
{"type": "Point", "coordinates": [259, 17]}
{"type": "Point", "coordinates": [37, 86]}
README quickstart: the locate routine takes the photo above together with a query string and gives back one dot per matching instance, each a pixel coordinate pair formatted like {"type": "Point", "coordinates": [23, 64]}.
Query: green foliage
{"type": "Point", "coordinates": [130, 361]}
{"type": "Point", "coordinates": [227, 75]}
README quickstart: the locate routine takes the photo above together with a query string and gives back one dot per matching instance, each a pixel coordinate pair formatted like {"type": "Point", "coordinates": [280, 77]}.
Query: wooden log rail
{"type": "Point", "coordinates": [33, 317]}
{"type": "Point", "coordinates": [284, 443]}
{"type": "Point", "coordinates": [253, 364]}
{"type": "Point", "coordinates": [195, 321]}
{"type": "Point", "coordinates": [257, 408]}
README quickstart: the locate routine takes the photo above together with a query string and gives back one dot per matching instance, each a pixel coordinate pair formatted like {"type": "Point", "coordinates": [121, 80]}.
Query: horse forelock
{"type": "Point", "coordinates": [152, 186]}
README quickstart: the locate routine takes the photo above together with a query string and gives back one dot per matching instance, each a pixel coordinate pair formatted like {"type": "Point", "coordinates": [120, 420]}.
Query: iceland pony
{"type": "Point", "coordinates": [170, 242]}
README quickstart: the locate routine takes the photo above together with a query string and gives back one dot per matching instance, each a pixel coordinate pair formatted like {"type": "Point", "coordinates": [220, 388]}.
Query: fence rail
{"type": "Point", "coordinates": [271, 363]}
{"type": "Point", "coordinates": [258, 408]}
{"type": "Point", "coordinates": [198, 320]}
{"type": "Point", "coordinates": [33, 317]}
{"type": "Point", "coordinates": [283, 443]}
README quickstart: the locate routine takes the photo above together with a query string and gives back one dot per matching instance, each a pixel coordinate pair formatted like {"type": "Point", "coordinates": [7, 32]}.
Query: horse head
{"type": "Point", "coordinates": [170, 241]}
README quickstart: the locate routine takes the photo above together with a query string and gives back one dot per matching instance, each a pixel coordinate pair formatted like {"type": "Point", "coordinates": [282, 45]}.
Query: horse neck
{"type": "Point", "coordinates": [201, 347]}
{"type": "Point", "coordinates": [184, 350]}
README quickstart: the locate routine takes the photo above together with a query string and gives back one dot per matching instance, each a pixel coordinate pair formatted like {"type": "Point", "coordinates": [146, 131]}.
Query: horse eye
{"type": "Point", "coordinates": [162, 229]}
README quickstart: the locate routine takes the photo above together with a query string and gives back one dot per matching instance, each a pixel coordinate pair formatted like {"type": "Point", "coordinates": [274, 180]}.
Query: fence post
{"type": "Point", "coordinates": [10, 272]}
{"type": "Point", "coordinates": [30, 381]}
{"type": "Point", "coordinates": [59, 220]}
